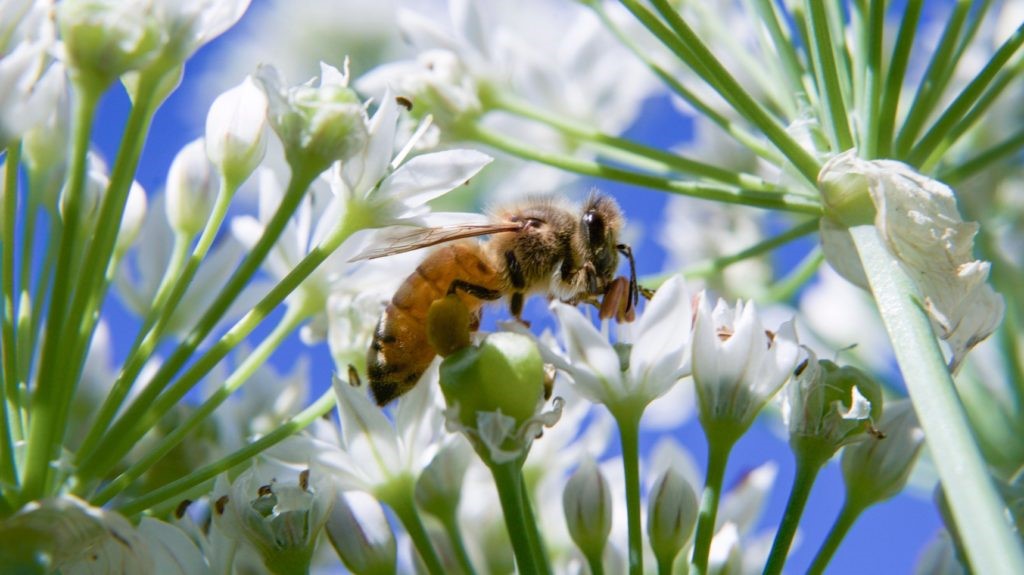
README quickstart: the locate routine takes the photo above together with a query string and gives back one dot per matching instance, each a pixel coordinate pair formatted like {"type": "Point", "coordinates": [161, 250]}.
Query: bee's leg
{"type": "Point", "coordinates": [479, 292]}
{"type": "Point", "coordinates": [515, 307]}
{"type": "Point", "coordinates": [617, 301]}
{"type": "Point", "coordinates": [634, 288]}
{"type": "Point", "coordinates": [515, 276]}
{"type": "Point", "coordinates": [353, 376]}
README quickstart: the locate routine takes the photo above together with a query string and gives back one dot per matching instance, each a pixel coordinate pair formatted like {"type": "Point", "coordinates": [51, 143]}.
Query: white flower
{"type": "Point", "coordinates": [918, 220]}
{"type": "Point", "coordinates": [29, 85]}
{"type": "Point", "coordinates": [317, 125]}
{"type": "Point", "coordinates": [658, 356]}
{"type": "Point", "coordinates": [106, 38]}
{"type": "Point", "coordinates": [671, 515]}
{"type": "Point", "coordinates": [360, 533]}
{"type": "Point", "coordinates": [878, 468]}
{"type": "Point", "coordinates": [736, 548]}
{"type": "Point", "coordinates": [372, 452]}
{"type": "Point", "coordinates": [189, 24]}
{"type": "Point", "coordinates": [236, 131]}
{"type": "Point", "coordinates": [940, 557]}
{"type": "Point", "coordinates": [587, 502]}
{"type": "Point", "coordinates": [45, 145]}
{"type": "Point", "coordinates": [173, 551]}
{"type": "Point", "coordinates": [738, 366]}
{"type": "Point", "coordinates": [131, 220]}
{"type": "Point", "coordinates": [191, 188]}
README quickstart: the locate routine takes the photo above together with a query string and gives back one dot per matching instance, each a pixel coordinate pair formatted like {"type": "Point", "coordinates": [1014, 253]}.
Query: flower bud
{"type": "Point", "coordinates": [829, 406]}
{"type": "Point", "coordinates": [316, 124]}
{"type": "Point", "coordinates": [587, 501]}
{"type": "Point", "coordinates": [877, 468]}
{"type": "Point", "coordinates": [439, 487]}
{"type": "Point", "coordinates": [671, 515]}
{"type": "Point", "coordinates": [845, 192]}
{"type": "Point", "coordinates": [132, 218]}
{"type": "Point", "coordinates": [191, 189]}
{"type": "Point", "coordinates": [103, 39]}
{"type": "Point", "coordinates": [236, 133]}
{"type": "Point", "coordinates": [45, 146]}
{"type": "Point", "coordinates": [504, 373]}
{"type": "Point", "coordinates": [361, 534]}
{"type": "Point", "coordinates": [96, 182]}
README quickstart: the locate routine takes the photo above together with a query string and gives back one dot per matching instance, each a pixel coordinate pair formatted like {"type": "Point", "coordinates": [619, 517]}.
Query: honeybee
{"type": "Point", "coordinates": [542, 245]}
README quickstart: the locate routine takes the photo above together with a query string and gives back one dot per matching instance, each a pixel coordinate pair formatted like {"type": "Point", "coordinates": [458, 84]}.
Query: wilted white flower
{"type": "Point", "coordinates": [738, 366]}
{"type": "Point", "coordinates": [918, 220]}
{"type": "Point", "coordinates": [236, 131]}
{"type": "Point", "coordinates": [361, 534]}
{"type": "Point", "coordinates": [657, 358]}
{"type": "Point", "coordinates": [191, 189]}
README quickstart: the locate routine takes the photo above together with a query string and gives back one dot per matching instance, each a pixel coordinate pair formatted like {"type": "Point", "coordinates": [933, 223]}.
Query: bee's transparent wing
{"type": "Point", "coordinates": [408, 240]}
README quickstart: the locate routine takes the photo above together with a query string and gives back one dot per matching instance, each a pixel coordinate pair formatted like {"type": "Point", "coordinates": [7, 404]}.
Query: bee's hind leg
{"type": "Point", "coordinates": [479, 292]}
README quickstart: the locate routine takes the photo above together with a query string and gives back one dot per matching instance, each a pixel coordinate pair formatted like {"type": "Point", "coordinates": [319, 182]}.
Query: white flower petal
{"type": "Point", "coordinates": [367, 434]}
{"type": "Point", "coordinates": [428, 176]}
{"type": "Point", "coordinates": [594, 364]}
{"type": "Point", "coordinates": [660, 354]}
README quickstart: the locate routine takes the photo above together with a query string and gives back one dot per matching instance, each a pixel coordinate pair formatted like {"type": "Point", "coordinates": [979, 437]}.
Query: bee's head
{"type": "Point", "coordinates": [600, 225]}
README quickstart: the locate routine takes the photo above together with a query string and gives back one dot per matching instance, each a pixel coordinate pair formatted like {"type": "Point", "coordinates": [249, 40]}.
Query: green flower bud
{"type": "Point", "coordinates": [505, 373]}
{"type": "Point", "coordinates": [845, 193]}
{"type": "Point", "coordinates": [829, 406]}
{"type": "Point", "coordinates": [587, 501]}
{"type": "Point", "coordinates": [877, 468]}
{"type": "Point", "coordinates": [671, 515]}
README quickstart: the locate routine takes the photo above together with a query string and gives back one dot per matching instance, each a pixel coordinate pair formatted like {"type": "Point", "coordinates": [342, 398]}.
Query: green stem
{"type": "Point", "coordinates": [739, 133]}
{"type": "Point", "coordinates": [807, 469]}
{"type": "Point", "coordinates": [686, 44]}
{"type": "Point", "coordinates": [828, 76]}
{"type": "Point", "coordinates": [145, 412]}
{"type": "Point", "coordinates": [712, 267]}
{"type": "Point", "coordinates": [450, 523]}
{"type": "Point", "coordinates": [782, 45]}
{"type": "Point", "coordinates": [631, 151]}
{"type": "Point", "coordinates": [51, 393]}
{"type": "Point", "coordinates": [10, 408]}
{"type": "Point", "coordinates": [718, 456]}
{"type": "Point", "coordinates": [597, 565]}
{"type": "Point", "coordinates": [984, 159]}
{"type": "Point", "coordinates": [508, 478]}
{"type": "Point", "coordinates": [937, 136]}
{"type": "Point", "coordinates": [294, 425]}
{"type": "Point", "coordinates": [786, 287]}
{"type": "Point", "coordinates": [871, 41]}
{"type": "Point", "coordinates": [975, 503]}
{"type": "Point", "coordinates": [847, 517]}
{"type": "Point", "coordinates": [628, 420]}
{"type": "Point", "coordinates": [401, 499]}
{"type": "Point", "coordinates": [292, 319]}
{"type": "Point", "coordinates": [536, 541]}
{"type": "Point", "coordinates": [893, 86]}
{"type": "Point", "coordinates": [139, 352]}
{"type": "Point", "coordinates": [708, 191]}
{"type": "Point", "coordinates": [934, 81]}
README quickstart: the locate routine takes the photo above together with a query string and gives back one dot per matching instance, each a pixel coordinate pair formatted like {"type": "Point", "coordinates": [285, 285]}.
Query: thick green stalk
{"type": "Point", "coordinates": [871, 45]}
{"type": "Point", "coordinates": [10, 405]}
{"type": "Point", "coordinates": [628, 420]}
{"type": "Point", "coordinates": [708, 191]}
{"type": "Point", "coordinates": [934, 81]}
{"type": "Point", "coordinates": [686, 44]}
{"type": "Point", "coordinates": [807, 469]}
{"type": "Point", "coordinates": [318, 409]}
{"type": "Point", "coordinates": [536, 541]}
{"type": "Point", "coordinates": [51, 393]}
{"type": "Point", "coordinates": [400, 497]}
{"type": "Point", "coordinates": [847, 517]}
{"type": "Point", "coordinates": [134, 425]}
{"type": "Point", "coordinates": [508, 478]}
{"type": "Point", "coordinates": [990, 543]}
{"type": "Point", "coordinates": [894, 76]}
{"type": "Point", "coordinates": [293, 318]}
{"type": "Point", "coordinates": [718, 456]}
{"type": "Point", "coordinates": [638, 154]}
{"type": "Point", "coordinates": [828, 77]}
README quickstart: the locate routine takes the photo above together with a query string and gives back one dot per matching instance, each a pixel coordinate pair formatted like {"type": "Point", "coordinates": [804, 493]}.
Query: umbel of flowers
{"type": "Point", "coordinates": [884, 146]}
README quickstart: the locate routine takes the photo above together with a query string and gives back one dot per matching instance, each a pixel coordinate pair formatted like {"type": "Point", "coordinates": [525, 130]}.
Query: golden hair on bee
{"type": "Point", "coordinates": [540, 245]}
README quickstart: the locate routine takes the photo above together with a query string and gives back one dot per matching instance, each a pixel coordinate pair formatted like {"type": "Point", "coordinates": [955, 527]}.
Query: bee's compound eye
{"type": "Point", "coordinates": [594, 226]}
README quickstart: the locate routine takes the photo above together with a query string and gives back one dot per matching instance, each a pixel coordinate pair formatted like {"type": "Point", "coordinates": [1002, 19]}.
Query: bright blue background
{"type": "Point", "coordinates": [888, 539]}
